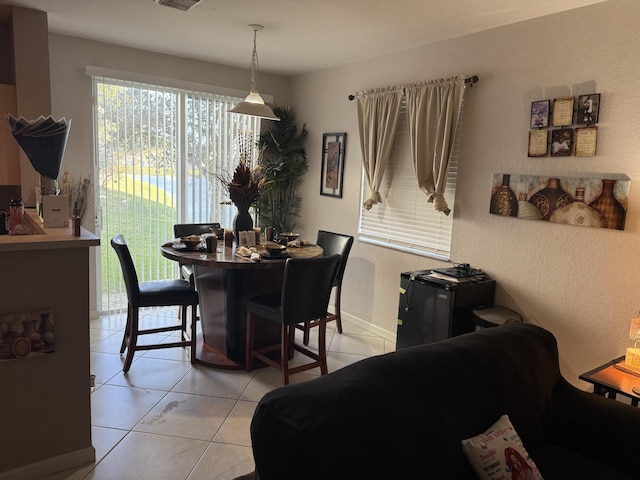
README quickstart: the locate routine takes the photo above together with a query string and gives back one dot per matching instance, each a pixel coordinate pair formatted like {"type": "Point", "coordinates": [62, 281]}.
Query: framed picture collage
{"type": "Point", "coordinates": [552, 131]}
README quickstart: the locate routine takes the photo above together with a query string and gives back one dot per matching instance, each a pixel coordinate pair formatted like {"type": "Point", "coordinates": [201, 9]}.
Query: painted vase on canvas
{"type": "Point", "coordinates": [578, 213]}
{"type": "Point", "coordinates": [550, 197]}
{"type": "Point", "coordinates": [610, 208]}
{"type": "Point", "coordinates": [504, 201]}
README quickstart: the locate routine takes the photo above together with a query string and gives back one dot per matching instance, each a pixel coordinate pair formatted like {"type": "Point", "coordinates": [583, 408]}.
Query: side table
{"type": "Point", "coordinates": [608, 381]}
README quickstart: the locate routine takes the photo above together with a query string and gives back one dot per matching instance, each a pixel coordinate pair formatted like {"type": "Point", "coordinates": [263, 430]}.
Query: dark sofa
{"type": "Point", "coordinates": [403, 415]}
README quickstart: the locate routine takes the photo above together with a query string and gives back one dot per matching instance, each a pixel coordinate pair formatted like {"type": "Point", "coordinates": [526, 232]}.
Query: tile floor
{"type": "Point", "coordinates": [167, 419]}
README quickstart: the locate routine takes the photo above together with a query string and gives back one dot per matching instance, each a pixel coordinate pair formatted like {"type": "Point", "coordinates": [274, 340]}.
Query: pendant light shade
{"type": "Point", "coordinates": [254, 104]}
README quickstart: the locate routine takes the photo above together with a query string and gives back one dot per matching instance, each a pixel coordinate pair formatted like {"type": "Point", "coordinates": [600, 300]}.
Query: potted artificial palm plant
{"type": "Point", "coordinates": [284, 163]}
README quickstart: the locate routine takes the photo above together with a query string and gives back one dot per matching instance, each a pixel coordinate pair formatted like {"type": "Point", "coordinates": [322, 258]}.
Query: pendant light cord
{"type": "Point", "coordinates": [254, 58]}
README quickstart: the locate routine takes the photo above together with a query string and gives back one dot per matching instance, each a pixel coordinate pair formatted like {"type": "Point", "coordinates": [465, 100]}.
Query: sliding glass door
{"type": "Point", "coordinates": [158, 151]}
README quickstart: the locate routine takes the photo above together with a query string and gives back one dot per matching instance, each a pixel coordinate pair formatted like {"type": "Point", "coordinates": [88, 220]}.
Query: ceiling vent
{"type": "Point", "coordinates": [183, 5]}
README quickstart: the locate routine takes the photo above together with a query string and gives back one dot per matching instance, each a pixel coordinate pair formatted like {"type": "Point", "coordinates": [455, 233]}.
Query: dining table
{"type": "Point", "coordinates": [225, 280]}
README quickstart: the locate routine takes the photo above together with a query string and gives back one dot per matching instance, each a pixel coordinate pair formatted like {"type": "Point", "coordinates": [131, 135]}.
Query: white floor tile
{"type": "Point", "coordinates": [152, 373]}
{"type": "Point", "coordinates": [122, 407]}
{"type": "Point", "coordinates": [142, 456]}
{"type": "Point", "coordinates": [235, 429]}
{"type": "Point", "coordinates": [223, 462]}
{"type": "Point", "coordinates": [358, 344]}
{"type": "Point", "coordinates": [189, 416]}
{"type": "Point", "coordinates": [203, 380]}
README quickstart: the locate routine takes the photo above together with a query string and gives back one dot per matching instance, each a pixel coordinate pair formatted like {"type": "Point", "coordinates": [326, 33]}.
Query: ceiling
{"type": "Point", "coordinates": [299, 35]}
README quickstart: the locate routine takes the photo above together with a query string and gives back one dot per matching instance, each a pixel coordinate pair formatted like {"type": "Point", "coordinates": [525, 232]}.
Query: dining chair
{"type": "Point", "coordinates": [306, 288]}
{"type": "Point", "coordinates": [154, 293]}
{"type": "Point", "coordinates": [331, 244]}
{"type": "Point", "coordinates": [186, 229]}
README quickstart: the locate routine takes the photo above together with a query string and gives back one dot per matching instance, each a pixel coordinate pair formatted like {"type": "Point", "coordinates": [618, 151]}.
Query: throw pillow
{"type": "Point", "coordinates": [498, 454]}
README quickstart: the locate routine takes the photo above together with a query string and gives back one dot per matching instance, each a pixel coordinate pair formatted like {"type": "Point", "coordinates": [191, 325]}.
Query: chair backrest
{"type": "Point", "coordinates": [128, 269]}
{"type": "Point", "coordinates": [306, 287]}
{"type": "Point", "coordinates": [184, 229]}
{"type": "Point", "coordinates": [333, 243]}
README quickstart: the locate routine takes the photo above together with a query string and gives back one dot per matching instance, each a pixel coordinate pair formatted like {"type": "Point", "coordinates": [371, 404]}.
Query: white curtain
{"type": "Point", "coordinates": [433, 111]}
{"type": "Point", "coordinates": [378, 112]}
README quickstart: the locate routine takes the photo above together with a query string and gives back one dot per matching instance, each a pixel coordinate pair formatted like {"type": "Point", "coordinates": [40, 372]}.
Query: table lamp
{"type": "Point", "coordinates": [632, 358]}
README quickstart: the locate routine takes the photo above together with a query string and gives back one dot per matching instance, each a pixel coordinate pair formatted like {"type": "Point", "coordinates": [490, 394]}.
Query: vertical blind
{"type": "Point", "coordinates": [158, 151]}
{"type": "Point", "coordinates": [405, 220]}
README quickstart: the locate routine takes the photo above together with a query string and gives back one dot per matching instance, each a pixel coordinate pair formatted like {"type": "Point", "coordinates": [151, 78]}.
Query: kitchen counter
{"type": "Point", "coordinates": [45, 238]}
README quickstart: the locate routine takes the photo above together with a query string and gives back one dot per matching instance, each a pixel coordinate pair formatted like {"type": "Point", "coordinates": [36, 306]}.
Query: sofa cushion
{"type": "Point", "coordinates": [498, 451]}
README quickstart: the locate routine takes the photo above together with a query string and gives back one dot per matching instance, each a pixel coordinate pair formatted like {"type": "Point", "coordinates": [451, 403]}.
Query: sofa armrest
{"type": "Point", "coordinates": [597, 427]}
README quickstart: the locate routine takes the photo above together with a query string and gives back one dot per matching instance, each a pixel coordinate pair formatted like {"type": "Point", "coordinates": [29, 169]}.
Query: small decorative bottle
{"type": "Point", "coordinates": [504, 201]}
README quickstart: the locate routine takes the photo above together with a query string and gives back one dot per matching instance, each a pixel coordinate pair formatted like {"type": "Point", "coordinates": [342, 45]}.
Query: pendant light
{"type": "Point", "coordinates": [254, 104]}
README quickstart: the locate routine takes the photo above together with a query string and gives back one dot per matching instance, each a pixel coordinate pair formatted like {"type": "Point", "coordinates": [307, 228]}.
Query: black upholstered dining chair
{"type": "Point", "coordinates": [331, 244]}
{"type": "Point", "coordinates": [186, 229]}
{"type": "Point", "coordinates": [306, 289]}
{"type": "Point", "coordinates": [155, 293]}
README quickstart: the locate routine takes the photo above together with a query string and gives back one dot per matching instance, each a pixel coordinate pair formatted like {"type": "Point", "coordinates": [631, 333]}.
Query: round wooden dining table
{"type": "Point", "coordinates": [224, 281]}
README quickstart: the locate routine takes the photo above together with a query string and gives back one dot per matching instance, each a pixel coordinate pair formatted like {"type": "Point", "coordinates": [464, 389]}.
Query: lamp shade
{"type": "Point", "coordinates": [634, 331]}
{"type": "Point", "coordinates": [254, 105]}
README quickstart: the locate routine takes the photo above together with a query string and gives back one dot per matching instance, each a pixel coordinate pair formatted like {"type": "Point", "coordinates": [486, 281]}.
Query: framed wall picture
{"type": "Point", "coordinates": [561, 142]}
{"type": "Point", "coordinates": [540, 114]}
{"type": "Point", "coordinates": [586, 140]}
{"type": "Point", "coordinates": [333, 147]}
{"type": "Point", "coordinates": [562, 112]}
{"type": "Point", "coordinates": [588, 108]}
{"type": "Point", "coordinates": [538, 143]}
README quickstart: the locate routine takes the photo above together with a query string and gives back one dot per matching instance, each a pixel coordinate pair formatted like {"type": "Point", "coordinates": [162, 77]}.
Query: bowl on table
{"type": "Point", "coordinates": [289, 236]}
{"type": "Point", "coordinates": [191, 241]}
{"type": "Point", "coordinates": [274, 249]}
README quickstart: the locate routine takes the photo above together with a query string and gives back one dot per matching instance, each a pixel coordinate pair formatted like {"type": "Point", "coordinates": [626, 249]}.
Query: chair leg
{"type": "Point", "coordinates": [183, 321]}
{"type": "Point", "coordinates": [133, 337]}
{"type": "Point", "coordinates": [337, 308]}
{"type": "Point", "coordinates": [127, 328]}
{"type": "Point", "coordinates": [284, 352]}
{"type": "Point", "coordinates": [306, 332]}
{"type": "Point", "coordinates": [322, 346]}
{"type": "Point", "coordinates": [249, 346]}
{"type": "Point", "coordinates": [194, 319]}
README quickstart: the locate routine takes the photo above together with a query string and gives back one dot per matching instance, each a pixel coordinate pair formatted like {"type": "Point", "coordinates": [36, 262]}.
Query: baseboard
{"type": "Point", "coordinates": [381, 332]}
{"type": "Point", "coordinates": [51, 465]}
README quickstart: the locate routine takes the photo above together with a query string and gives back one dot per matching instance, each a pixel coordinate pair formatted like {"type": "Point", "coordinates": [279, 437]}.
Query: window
{"type": "Point", "coordinates": [405, 220]}
{"type": "Point", "coordinates": [158, 150]}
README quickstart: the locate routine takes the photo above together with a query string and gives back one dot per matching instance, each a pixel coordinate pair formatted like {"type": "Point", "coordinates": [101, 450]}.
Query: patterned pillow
{"type": "Point", "coordinates": [498, 454]}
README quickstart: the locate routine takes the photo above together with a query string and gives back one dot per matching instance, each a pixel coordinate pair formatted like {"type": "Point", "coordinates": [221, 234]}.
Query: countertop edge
{"type": "Point", "coordinates": [53, 238]}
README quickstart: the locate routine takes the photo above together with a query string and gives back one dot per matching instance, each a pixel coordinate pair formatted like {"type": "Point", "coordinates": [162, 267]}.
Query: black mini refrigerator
{"type": "Point", "coordinates": [432, 309]}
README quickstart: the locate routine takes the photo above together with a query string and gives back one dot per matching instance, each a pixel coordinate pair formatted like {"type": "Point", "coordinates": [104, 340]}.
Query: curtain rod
{"type": "Point", "coordinates": [469, 81]}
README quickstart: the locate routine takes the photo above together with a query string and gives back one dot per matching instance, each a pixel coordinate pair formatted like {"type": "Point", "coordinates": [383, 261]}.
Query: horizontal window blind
{"type": "Point", "coordinates": [405, 220]}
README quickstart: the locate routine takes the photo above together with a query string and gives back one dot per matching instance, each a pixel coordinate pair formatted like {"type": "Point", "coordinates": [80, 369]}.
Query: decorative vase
{"type": "Point", "coordinates": [526, 210]}
{"type": "Point", "coordinates": [610, 208]}
{"type": "Point", "coordinates": [578, 213]}
{"type": "Point", "coordinates": [549, 198]}
{"type": "Point", "coordinates": [504, 201]}
{"type": "Point", "coordinates": [242, 222]}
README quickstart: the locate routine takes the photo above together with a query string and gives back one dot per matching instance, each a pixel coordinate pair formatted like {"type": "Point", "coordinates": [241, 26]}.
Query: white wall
{"type": "Point", "coordinates": [578, 282]}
